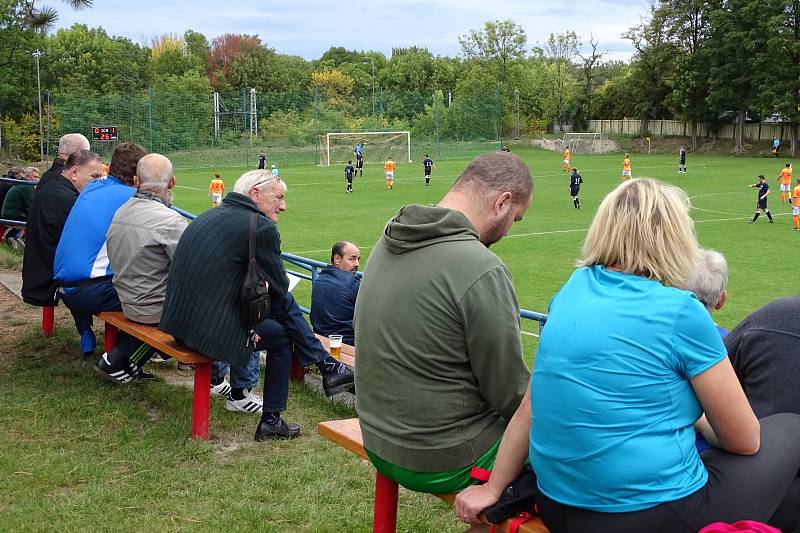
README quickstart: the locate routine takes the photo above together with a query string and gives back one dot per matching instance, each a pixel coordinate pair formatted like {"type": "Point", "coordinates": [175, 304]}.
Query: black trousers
{"type": "Point", "coordinates": [764, 487]}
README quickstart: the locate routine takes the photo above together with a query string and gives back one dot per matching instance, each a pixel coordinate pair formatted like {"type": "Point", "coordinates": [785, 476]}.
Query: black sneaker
{"type": "Point", "coordinates": [116, 375]}
{"type": "Point", "coordinates": [283, 431]}
{"type": "Point", "coordinates": [143, 375]}
{"type": "Point", "coordinates": [340, 379]}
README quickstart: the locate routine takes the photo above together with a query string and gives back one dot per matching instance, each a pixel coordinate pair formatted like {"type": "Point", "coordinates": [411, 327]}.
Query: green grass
{"type": "Point", "coordinates": [79, 454]}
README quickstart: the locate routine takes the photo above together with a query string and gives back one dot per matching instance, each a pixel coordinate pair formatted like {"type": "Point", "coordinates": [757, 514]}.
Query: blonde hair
{"type": "Point", "coordinates": [259, 178]}
{"type": "Point", "coordinates": [643, 226]}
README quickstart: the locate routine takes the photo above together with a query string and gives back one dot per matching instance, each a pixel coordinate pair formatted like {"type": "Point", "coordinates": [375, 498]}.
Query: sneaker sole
{"type": "Point", "coordinates": [261, 438]}
{"type": "Point", "coordinates": [344, 387]}
{"type": "Point", "coordinates": [251, 408]}
{"type": "Point", "coordinates": [111, 379]}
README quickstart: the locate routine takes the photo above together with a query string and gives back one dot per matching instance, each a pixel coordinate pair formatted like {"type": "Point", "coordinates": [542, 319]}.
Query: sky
{"type": "Point", "coordinates": [309, 27]}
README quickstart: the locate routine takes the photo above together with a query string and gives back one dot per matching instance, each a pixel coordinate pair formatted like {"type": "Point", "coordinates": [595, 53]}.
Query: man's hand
{"type": "Point", "coordinates": [472, 501]}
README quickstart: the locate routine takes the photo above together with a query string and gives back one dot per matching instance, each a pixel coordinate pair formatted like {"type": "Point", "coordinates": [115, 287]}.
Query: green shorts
{"type": "Point", "coordinates": [445, 482]}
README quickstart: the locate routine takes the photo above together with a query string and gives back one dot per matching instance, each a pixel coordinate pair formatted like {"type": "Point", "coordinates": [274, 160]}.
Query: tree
{"type": "Point", "coordinates": [500, 43]}
{"type": "Point", "coordinates": [334, 86]}
{"type": "Point", "coordinates": [558, 54]}
{"type": "Point", "coordinates": [231, 48]}
{"type": "Point", "coordinates": [588, 67]}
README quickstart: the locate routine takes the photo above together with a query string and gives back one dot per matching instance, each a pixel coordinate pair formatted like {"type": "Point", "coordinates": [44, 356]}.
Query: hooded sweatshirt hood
{"type": "Point", "coordinates": [418, 226]}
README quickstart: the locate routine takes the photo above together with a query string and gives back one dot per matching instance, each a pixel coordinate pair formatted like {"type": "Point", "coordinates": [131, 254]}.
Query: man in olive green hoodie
{"type": "Point", "coordinates": [440, 369]}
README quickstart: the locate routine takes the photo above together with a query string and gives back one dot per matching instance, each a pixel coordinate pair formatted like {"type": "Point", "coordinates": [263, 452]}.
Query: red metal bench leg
{"type": "Point", "coordinates": [384, 518]}
{"type": "Point", "coordinates": [48, 321]}
{"type": "Point", "coordinates": [110, 337]}
{"type": "Point", "coordinates": [202, 400]}
{"type": "Point", "coordinates": [297, 372]}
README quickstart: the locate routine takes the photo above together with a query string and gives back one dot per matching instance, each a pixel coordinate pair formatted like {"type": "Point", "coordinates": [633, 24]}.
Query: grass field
{"type": "Point", "coordinates": [79, 454]}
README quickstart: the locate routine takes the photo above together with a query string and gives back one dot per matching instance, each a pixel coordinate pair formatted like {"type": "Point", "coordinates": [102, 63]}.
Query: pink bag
{"type": "Point", "coordinates": [742, 526]}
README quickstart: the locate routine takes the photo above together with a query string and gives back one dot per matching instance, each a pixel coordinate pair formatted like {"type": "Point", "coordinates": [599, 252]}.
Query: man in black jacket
{"type": "Point", "coordinates": [67, 145]}
{"type": "Point", "coordinates": [51, 206]}
{"type": "Point", "coordinates": [201, 307]}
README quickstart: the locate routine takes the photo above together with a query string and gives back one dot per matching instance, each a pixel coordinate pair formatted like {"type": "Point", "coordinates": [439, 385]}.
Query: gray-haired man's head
{"type": "Point", "coordinates": [71, 143]}
{"type": "Point", "coordinates": [710, 280]}
{"type": "Point", "coordinates": [154, 174]}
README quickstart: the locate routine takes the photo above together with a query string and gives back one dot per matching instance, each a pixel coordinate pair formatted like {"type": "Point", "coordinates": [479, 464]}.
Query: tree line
{"type": "Point", "coordinates": [709, 62]}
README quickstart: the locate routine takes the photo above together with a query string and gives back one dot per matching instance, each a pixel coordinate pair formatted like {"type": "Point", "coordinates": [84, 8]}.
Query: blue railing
{"type": "Point", "coordinates": [310, 265]}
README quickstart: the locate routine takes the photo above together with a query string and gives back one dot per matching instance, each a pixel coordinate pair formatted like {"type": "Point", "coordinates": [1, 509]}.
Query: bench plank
{"type": "Point", "coordinates": [163, 342]}
{"type": "Point", "coordinates": [347, 434]}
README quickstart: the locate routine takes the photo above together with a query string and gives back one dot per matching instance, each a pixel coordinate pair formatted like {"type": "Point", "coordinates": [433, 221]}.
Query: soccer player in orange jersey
{"type": "Point", "coordinates": [215, 190]}
{"type": "Point", "coordinates": [567, 159]}
{"type": "Point", "coordinates": [389, 167]}
{"type": "Point", "coordinates": [796, 205]}
{"type": "Point", "coordinates": [785, 179]}
{"type": "Point", "coordinates": [626, 167]}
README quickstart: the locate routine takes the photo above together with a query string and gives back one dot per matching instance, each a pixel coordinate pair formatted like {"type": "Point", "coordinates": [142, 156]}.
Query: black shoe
{"type": "Point", "coordinates": [338, 381]}
{"type": "Point", "coordinates": [143, 375]}
{"type": "Point", "coordinates": [283, 431]}
{"type": "Point", "coordinates": [116, 375]}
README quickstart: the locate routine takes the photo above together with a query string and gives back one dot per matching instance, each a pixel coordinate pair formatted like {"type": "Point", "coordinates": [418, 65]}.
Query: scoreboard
{"type": "Point", "coordinates": [104, 133]}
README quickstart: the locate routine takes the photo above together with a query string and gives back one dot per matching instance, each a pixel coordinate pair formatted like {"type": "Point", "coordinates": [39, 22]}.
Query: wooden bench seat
{"type": "Point", "coordinates": [347, 434]}
{"type": "Point", "coordinates": [164, 343]}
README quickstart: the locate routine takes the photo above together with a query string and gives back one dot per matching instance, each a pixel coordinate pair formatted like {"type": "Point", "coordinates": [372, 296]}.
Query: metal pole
{"type": "Point", "coordinates": [373, 85]}
{"type": "Point", "coordinates": [37, 54]}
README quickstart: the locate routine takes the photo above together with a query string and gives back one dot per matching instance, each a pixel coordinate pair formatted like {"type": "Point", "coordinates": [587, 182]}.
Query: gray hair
{"type": "Point", "coordinates": [30, 171]}
{"type": "Point", "coordinates": [497, 172]}
{"type": "Point", "coordinates": [72, 142]}
{"type": "Point", "coordinates": [710, 278]}
{"type": "Point", "coordinates": [154, 171]}
{"type": "Point", "coordinates": [256, 178]}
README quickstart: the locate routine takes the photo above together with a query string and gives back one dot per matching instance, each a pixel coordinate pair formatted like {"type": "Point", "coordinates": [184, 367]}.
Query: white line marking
{"type": "Point", "coordinates": [717, 212]}
{"type": "Point", "coordinates": [192, 188]}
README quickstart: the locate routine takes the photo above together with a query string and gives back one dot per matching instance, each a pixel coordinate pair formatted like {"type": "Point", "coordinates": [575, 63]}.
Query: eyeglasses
{"type": "Point", "coordinates": [262, 182]}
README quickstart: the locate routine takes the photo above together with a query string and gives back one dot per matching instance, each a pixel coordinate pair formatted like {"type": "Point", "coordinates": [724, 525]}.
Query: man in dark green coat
{"type": "Point", "coordinates": [201, 308]}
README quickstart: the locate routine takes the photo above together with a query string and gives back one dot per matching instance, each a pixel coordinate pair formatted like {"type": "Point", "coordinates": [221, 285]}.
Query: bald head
{"type": "Point", "coordinates": [154, 174]}
{"type": "Point", "coordinates": [70, 143]}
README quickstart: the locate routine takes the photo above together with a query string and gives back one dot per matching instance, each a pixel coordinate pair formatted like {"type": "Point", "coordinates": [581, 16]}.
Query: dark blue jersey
{"type": "Point", "coordinates": [349, 171]}
{"type": "Point", "coordinates": [427, 163]}
{"type": "Point", "coordinates": [575, 180]}
{"type": "Point", "coordinates": [763, 188]}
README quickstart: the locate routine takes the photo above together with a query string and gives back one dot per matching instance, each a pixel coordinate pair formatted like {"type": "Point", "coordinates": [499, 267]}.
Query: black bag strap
{"type": "Point", "coordinates": [253, 226]}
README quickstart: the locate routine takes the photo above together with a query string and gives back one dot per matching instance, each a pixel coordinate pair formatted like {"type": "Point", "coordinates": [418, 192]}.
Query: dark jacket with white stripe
{"type": "Point", "coordinates": [201, 307]}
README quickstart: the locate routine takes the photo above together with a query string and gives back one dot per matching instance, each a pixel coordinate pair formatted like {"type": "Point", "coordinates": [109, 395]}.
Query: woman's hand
{"type": "Point", "coordinates": [472, 501]}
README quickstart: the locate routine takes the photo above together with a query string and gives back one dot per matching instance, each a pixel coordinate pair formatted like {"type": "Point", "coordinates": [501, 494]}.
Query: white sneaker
{"type": "Point", "coordinates": [251, 403]}
{"type": "Point", "coordinates": [223, 389]}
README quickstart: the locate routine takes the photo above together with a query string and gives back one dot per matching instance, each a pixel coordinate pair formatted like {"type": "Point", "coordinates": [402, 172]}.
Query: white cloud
{"type": "Point", "coordinates": [309, 27]}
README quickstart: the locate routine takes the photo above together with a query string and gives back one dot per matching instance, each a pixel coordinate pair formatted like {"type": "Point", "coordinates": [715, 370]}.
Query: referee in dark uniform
{"type": "Point", "coordinates": [575, 181]}
{"type": "Point", "coordinates": [761, 202]}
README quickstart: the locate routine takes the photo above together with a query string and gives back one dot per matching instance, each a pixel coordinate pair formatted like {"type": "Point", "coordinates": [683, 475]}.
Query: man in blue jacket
{"type": "Point", "coordinates": [81, 268]}
{"type": "Point", "coordinates": [333, 294]}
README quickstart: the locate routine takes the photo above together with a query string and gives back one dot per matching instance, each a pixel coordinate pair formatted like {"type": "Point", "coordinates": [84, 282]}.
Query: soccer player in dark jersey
{"type": "Point", "coordinates": [427, 166]}
{"type": "Point", "coordinates": [349, 171]}
{"type": "Point", "coordinates": [761, 201]}
{"type": "Point", "coordinates": [682, 160]}
{"type": "Point", "coordinates": [359, 163]}
{"type": "Point", "coordinates": [575, 181]}
{"type": "Point", "coordinates": [262, 159]}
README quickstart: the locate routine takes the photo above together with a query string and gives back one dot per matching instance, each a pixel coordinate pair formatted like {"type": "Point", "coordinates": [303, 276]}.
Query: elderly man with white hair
{"type": "Point", "coordinates": [710, 282]}
{"type": "Point", "coordinates": [67, 145]}
{"type": "Point", "coordinates": [202, 306]}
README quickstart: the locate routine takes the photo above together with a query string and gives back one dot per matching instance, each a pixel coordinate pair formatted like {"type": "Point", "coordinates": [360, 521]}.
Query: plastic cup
{"type": "Point", "coordinates": [335, 344]}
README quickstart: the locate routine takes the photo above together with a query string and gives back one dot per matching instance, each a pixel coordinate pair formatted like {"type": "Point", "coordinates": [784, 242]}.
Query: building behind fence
{"type": "Point", "coordinates": [758, 131]}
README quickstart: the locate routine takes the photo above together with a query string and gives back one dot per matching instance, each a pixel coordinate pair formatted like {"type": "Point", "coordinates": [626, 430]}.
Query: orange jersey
{"type": "Point", "coordinates": [567, 154]}
{"type": "Point", "coordinates": [786, 176]}
{"type": "Point", "coordinates": [796, 196]}
{"type": "Point", "coordinates": [389, 166]}
{"type": "Point", "coordinates": [217, 186]}
{"type": "Point", "coordinates": [626, 164]}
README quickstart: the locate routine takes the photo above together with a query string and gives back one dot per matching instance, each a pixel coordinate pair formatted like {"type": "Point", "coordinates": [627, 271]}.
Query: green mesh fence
{"type": "Point", "coordinates": [204, 130]}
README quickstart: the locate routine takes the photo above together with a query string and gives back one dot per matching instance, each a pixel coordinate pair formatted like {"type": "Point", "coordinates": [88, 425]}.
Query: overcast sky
{"type": "Point", "coordinates": [309, 27]}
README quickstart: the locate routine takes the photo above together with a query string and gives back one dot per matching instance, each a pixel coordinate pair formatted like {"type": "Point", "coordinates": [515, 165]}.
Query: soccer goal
{"type": "Point", "coordinates": [337, 148]}
{"type": "Point", "coordinates": [587, 142]}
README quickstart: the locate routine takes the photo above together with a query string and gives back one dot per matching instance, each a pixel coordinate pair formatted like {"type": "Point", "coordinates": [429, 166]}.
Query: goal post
{"type": "Point", "coordinates": [338, 147]}
{"type": "Point", "coordinates": [585, 142]}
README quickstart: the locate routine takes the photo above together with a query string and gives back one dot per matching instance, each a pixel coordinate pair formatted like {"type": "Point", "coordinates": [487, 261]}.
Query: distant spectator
{"type": "Point", "coordinates": [48, 214]}
{"type": "Point", "coordinates": [333, 294]}
{"type": "Point", "coordinates": [14, 173]}
{"type": "Point", "coordinates": [212, 254]}
{"type": "Point", "coordinates": [16, 206]}
{"type": "Point", "coordinates": [81, 266]}
{"type": "Point", "coordinates": [764, 349]}
{"type": "Point", "coordinates": [710, 283]}
{"type": "Point", "coordinates": [67, 145]}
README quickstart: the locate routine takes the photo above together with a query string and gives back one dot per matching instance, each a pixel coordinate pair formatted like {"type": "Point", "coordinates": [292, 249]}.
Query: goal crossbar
{"type": "Point", "coordinates": [337, 147]}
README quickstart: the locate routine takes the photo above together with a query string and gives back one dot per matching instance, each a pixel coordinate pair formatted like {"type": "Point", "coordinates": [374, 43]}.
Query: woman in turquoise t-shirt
{"type": "Point", "coordinates": [626, 366]}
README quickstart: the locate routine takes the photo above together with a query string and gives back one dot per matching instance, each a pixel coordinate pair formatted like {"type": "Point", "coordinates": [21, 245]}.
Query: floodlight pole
{"type": "Point", "coordinates": [37, 54]}
{"type": "Point", "coordinates": [372, 59]}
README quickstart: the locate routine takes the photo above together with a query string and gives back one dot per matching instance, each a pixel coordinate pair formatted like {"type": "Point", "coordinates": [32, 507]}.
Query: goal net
{"type": "Point", "coordinates": [587, 143]}
{"type": "Point", "coordinates": [335, 148]}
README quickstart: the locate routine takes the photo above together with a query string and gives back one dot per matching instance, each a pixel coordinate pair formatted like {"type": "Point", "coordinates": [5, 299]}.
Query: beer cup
{"type": "Point", "coordinates": [335, 345]}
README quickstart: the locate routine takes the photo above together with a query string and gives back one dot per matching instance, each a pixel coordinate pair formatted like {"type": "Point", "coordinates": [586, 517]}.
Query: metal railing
{"type": "Point", "coordinates": [312, 266]}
